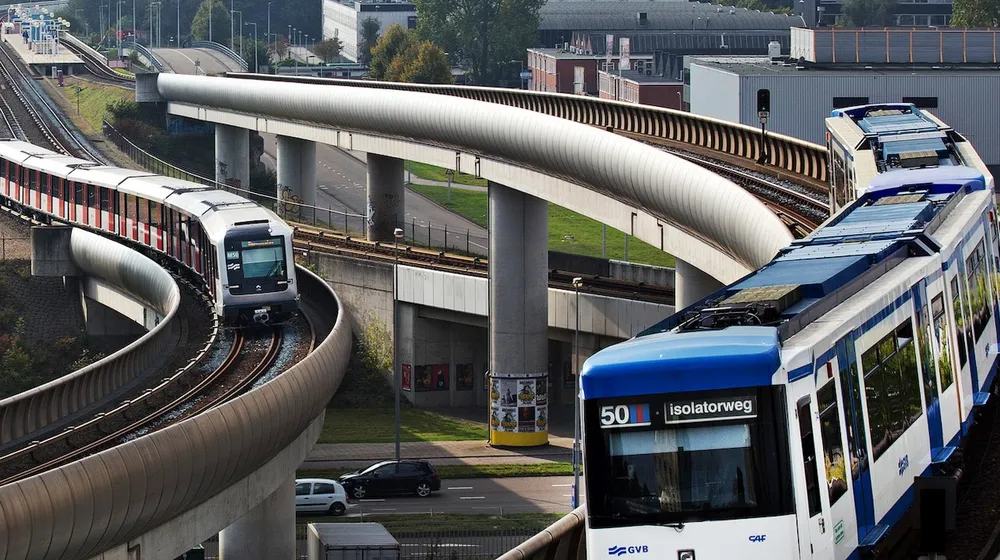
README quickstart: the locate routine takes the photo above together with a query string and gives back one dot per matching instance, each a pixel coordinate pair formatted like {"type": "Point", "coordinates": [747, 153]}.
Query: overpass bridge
{"type": "Point", "coordinates": [132, 501]}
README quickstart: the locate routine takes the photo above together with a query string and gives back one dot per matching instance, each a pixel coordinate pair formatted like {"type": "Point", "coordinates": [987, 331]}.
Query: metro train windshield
{"type": "Point", "coordinates": [265, 262]}
{"type": "Point", "coordinates": [697, 461]}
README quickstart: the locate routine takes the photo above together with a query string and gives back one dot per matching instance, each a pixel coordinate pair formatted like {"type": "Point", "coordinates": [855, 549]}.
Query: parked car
{"type": "Point", "coordinates": [318, 495]}
{"type": "Point", "coordinates": [392, 477]}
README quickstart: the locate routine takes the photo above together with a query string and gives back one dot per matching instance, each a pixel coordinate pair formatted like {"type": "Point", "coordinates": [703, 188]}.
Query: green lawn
{"type": "Point", "coordinates": [435, 173]}
{"type": "Point", "coordinates": [469, 471]}
{"type": "Point", "coordinates": [94, 100]}
{"type": "Point", "coordinates": [378, 425]}
{"type": "Point", "coordinates": [569, 232]}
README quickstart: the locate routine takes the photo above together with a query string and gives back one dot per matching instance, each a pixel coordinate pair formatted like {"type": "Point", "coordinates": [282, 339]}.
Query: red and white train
{"type": "Point", "coordinates": [241, 250]}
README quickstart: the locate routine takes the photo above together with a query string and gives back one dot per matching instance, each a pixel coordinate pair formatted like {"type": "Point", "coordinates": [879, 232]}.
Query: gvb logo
{"type": "Point", "coordinates": [623, 550]}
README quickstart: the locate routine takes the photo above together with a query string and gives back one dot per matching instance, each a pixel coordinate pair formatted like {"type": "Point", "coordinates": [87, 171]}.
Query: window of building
{"type": "Point", "coordinates": [921, 20]}
{"type": "Point", "coordinates": [411, 22]}
{"type": "Point", "coordinates": [904, 19]}
{"type": "Point", "coordinates": [922, 102]}
{"type": "Point", "coordinates": [841, 102]}
{"type": "Point", "coordinates": [833, 447]}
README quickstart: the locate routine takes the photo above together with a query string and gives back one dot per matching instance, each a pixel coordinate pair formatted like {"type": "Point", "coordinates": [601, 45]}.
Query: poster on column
{"type": "Point", "coordinates": [407, 377]}
{"type": "Point", "coordinates": [503, 398]}
{"type": "Point", "coordinates": [541, 392]}
{"type": "Point", "coordinates": [526, 405]}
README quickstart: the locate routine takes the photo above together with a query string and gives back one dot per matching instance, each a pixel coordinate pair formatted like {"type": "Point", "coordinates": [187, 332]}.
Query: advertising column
{"type": "Point", "coordinates": [519, 411]}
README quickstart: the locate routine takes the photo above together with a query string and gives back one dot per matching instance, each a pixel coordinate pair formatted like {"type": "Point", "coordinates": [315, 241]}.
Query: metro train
{"type": "Point", "coordinates": [241, 250]}
{"type": "Point", "coordinates": [792, 414]}
{"type": "Point", "coordinates": [866, 140]}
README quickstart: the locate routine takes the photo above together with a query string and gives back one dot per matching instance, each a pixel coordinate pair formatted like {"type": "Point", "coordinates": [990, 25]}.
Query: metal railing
{"type": "Point", "coordinates": [84, 47]}
{"type": "Point", "coordinates": [288, 206]}
{"type": "Point", "coordinates": [145, 53]}
{"type": "Point", "coordinates": [222, 49]}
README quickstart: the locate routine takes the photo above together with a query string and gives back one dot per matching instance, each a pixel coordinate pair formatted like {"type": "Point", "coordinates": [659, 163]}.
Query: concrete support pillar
{"type": "Point", "coordinates": [266, 532]}
{"type": "Point", "coordinates": [691, 284]}
{"type": "Point", "coordinates": [297, 178]}
{"type": "Point", "coordinates": [385, 211]}
{"type": "Point", "coordinates": [518, 269]}
{"type": "Point", "coordinates": [232, 156]}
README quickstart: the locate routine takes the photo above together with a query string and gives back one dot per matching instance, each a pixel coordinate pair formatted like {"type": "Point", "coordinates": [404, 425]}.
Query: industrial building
{"type": "Point", "coordinates": [919, 13]}
{"type": "Point", "coordinates": [342, 19]}
{"type": "Point", "coordinates": [952, 73]}
{"type": "Point", "coordinates": [636, 87]}
{"type": "Point", "coordinates": [570, 71]}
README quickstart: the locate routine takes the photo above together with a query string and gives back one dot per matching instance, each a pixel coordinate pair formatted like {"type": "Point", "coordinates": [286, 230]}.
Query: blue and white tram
{"type": "Point", "coordinates": [241, 250]}
{"type": "Point", "coordinates": [787, 415]}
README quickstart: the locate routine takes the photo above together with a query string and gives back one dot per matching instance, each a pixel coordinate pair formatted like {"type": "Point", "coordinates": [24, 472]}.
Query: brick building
{"type": "Point", "coordinates": [636, 87]}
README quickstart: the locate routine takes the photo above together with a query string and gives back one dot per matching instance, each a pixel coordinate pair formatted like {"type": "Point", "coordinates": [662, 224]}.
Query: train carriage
{"type": "Point", "coordinates": [791, 414]}
{"type": "Point", "coordinates": [197, 226]}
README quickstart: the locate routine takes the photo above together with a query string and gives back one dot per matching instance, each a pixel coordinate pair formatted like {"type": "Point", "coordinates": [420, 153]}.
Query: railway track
{"type": "Point", "coordinates": [313, 240]}
{"type": "Point", "coordinates": [176, 397]}
{"type": "Point", "coordinates": [46, 118]}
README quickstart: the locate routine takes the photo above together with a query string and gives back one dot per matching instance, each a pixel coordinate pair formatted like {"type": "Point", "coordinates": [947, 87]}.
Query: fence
{"type": "Point", "coordinates": [430, 538]}
{"type": "Point", "coordinates": [291, 208]}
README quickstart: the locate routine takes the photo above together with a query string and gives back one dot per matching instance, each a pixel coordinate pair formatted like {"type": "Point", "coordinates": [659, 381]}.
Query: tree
{"type": "Point", "coordinates": [975, 13]}
{"type": "Point", "coordinates": [369, 37]}
{"type": "Point", "coordinates": [484, 33]}
{"type": "Point", "coordinates": [868, 13]}
{"type": "Point", "coordinates": [423, 63]}
{"type": "Point", "coordinates": [395, 42]}
{"type": "Point", "coordinates": [249, 48]}
{"type": "Point", "coordinates": [328, 49]}
{"type": "Point", "coordinates": [220, 22]}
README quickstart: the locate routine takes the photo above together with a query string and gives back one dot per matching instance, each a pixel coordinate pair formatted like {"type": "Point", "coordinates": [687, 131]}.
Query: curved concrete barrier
{"type": "Point", "coordinates": [110, 499]}
{"type": "Point", "coordinates": [678, 192]}
{"type": "Point", "coordinates": [114, 263]}
{"type": "Point", "coordinates": [563, 540]}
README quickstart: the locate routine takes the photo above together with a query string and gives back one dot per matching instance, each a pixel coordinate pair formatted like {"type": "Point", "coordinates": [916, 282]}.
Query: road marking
{"type": "Point", "coordinates": [459, 488]}
{"type": "Point", "coordinates": [472, 497]}
{"type": "Point", "coordinates": [561, 485]}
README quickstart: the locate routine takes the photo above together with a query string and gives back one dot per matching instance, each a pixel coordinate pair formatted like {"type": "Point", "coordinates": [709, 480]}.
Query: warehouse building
{"type": "Point", "coordinates": [954, 74]}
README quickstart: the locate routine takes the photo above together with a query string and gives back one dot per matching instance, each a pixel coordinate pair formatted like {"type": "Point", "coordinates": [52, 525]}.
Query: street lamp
{"type": "Point", "coordinates": [240, 28]}
{"type": "Point", "coordinates": [396, 367]}
{"type": "Point", "coordinates": [256, 67]}
{"type": "Point", "coordinates": [521, 62]}
{"type": "Point", "coordinates": [577, 283]}
{"type": "Point", "coordinates": [267, 36]}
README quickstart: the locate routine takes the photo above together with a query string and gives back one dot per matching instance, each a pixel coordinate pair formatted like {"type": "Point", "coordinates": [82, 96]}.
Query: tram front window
{"type": "Point", "coordinates": [683, 469]}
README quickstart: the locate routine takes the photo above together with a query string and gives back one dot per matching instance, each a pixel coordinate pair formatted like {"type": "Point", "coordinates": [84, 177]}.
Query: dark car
{"type": "Point", "coordinates": [392, 477]}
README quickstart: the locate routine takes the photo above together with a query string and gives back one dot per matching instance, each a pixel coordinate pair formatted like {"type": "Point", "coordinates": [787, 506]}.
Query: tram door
{"type": "Point", "coordinates": [857, 437]}
{"type": "Point", "coordinates": [819, 540]}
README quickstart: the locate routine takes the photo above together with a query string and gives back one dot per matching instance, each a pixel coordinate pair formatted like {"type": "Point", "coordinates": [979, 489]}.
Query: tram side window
{"type": "Point", "coordinates": [833, 447]}
{"type": "Point", "coordinates": [940, 332]}
{"type": "Point", "coordinates": [809, 457]}
{"type": "Point", "coordinates": [979, 290]}
{"type": "Point", "coordinates": [892, 387]}
{"type": "Point", "coordinates": [926, 356]}
{"type": "Point", "coordinates": [155, 218]}
{"type": "Point", "coordinates": [43, 186]}
{"type": "Point", "coordinates": [960, 321]}
{"type": "Point", "coordinates": [91, 196]}
{"type": "Point", "coordinates": [852, 390]}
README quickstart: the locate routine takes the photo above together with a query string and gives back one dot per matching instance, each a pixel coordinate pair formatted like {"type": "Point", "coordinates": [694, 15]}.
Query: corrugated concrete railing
{"type": "Point", "coordinates": [118, 265]}
{"type": "Point", "coordinates": [563, 540]}
{"type": "Point", "coordinates": [84, 46]}
{"type": "Point", "coordinates": [110, 498]}
{"type": "Point", "coordinates": [788, 154]}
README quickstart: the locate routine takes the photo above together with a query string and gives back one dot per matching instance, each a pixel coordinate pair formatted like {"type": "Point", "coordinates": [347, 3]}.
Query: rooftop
{"type": "Point", "coordinates": [895, 219]}
{"type": "Point", "coordinates": [570, 55]}
{"type": "Point", "coordinates": [635, 76]}
{"type": "Point", "coordinates": [762, 66]}
{"type": "Point", "coordinates": [624, 16]}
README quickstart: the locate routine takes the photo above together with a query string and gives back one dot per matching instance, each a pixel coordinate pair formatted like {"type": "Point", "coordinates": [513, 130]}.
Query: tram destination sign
{"type": "Point", "coordinates": [717, 408]}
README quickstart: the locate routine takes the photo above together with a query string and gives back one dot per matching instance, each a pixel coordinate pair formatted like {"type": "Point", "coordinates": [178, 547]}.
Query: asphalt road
{"type": "Point", "coordinates": [341, 180]}
{"type": "Point", "coordinates": [544, 494]}
{"type": "Point", "coordinates": [182, 61]}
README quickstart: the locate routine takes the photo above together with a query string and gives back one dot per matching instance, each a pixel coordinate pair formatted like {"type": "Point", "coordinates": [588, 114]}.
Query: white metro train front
{"type": "Point", "coordinates": [791, 414]}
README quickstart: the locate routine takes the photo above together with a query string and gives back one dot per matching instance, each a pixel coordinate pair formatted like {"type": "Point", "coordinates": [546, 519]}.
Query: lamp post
{"type": "Point", "coordinates": [178, 24]}
{"type": "Point", "coordinates": [577, 282]}
{"type": "Point", "coordinates": [118, 25]}
{"type": "Point", "coordinates": [397, 370]}
{"type": "Point", "coordinates": [267, 36]}
{"type": "Point", "coordinates": [254, 24]}
{"type": "Point", "coordinates": [232, 33]}
{"type": "Point", "coordinates": [240, 27]}
{"type": "Point", "coordinates": [521, 62]}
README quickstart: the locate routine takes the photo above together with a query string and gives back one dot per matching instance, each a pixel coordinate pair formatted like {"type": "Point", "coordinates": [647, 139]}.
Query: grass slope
{"type": "Point", "coordinates": [569, 232]}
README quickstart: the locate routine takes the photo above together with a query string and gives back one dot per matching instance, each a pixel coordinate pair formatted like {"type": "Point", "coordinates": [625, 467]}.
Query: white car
{"type": "Point", "coordinates": [319, 495]}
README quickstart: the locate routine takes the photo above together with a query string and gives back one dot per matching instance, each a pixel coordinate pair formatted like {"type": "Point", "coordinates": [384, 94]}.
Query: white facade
{"type": "Point", "coordinates": [343, 20]}
{"type": "Point", "coordinates": [968, 101]}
